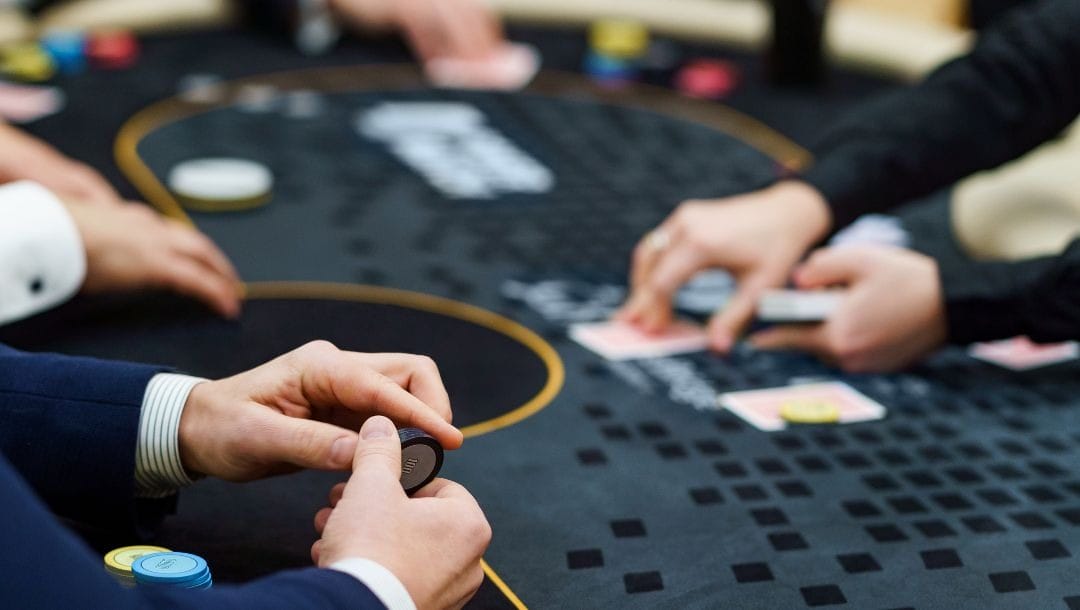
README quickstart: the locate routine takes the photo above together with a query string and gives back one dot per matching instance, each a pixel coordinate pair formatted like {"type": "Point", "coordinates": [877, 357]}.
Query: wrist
{"type": "Point", "coordinates": [159, 469]}
{"type": "Point", "coordinates": [804, 208]}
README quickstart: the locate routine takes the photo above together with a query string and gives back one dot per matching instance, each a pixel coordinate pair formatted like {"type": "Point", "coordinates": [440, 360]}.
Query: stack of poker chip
{"type": "Point", "coordinates": [616, 47]}
{"type": "Point", "coordinates": [118, 561]}
{"type": "Point", "coordinates": [172, 569]}
{"type": "Point", "coordinates": [709, 79]}
{"type": "Point", "coordinates": [67, 48]}
{"type": "Point", "coordinates": [28, 62]}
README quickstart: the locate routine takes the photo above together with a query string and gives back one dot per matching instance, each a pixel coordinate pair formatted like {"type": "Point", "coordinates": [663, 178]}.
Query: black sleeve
{"type": "Point", "coordinates": [1019, 87]}
{"type": "Point", "coordinates": [1039, 298]}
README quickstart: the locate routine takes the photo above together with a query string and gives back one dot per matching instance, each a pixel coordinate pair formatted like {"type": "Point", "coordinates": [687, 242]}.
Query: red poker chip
{"type": "Point", "coordinates": [113, 50]}
{"type": "Point", "coordinates": [707, 79]}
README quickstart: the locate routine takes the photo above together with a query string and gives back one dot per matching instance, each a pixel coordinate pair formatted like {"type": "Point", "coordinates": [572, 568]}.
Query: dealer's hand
{"type": "Point", "coordinates": [758, 237]}
{"type": "Point", "coordinates": [301, 410]}
{"type": "Point", "coordinates": [892, 316]}
{"type": "Point", "coordinates": [464, 29]}
{"type": "Point", "coordinates": [24, 157]}
{"type": "Point", "coordinates": [129, 246]}
{"type": "Point", "coordinates": [432, 542]}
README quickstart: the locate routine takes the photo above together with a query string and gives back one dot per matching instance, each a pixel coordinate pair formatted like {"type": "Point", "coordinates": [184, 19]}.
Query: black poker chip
{"type": "Point", "coordinates": [421, 458]}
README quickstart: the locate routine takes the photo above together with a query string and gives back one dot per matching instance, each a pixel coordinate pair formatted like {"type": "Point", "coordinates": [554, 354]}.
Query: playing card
{"type": "Point", "coordinates": [508, 69]}
{"type": "Point", "coordinates": [620, 341]}
{"type": "Point", "coordinates": [706, 293]}
{"type": "Point", "coordinates": [780, 306]}
{"type": "Point", "coordinates": [1021, 354]}
{"type": "Point", "coordinates": [762, 408]}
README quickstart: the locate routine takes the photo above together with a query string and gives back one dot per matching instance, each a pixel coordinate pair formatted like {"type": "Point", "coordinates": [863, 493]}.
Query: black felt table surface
{"type": "Point", "coordinates": [627, 489]}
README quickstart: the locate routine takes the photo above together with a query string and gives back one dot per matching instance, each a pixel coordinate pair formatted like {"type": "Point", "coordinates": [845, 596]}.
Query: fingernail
{"type": "Point", "coordinates": [341, 452]}
{"type": "Point", "coordinates": [377, 427]}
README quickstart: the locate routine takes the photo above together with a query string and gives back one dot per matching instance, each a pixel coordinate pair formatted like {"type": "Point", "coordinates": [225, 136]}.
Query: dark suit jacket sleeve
{"type": "Point", "coordinates": [1039, 298]}
{"type": "Point", "coordinates": [1018, 88]}
{"type": "Point", "coordinates": [44, 567]}
{"type": "Point", "coordinates": [69, 426]}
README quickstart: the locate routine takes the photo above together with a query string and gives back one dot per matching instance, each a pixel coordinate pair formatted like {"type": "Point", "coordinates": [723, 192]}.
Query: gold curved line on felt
{"type": "Point", "coordinates": [502, 586]}
{"type": "Point", "coordinates": [397, 77]}
{"type": "Point", "coordinates": [556, 374]}
{"type": "Point", "coordinates": [196, 204]}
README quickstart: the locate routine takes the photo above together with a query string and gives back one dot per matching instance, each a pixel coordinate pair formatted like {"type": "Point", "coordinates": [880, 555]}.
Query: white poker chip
{"type": "Point", "coordinates": [221, 180]}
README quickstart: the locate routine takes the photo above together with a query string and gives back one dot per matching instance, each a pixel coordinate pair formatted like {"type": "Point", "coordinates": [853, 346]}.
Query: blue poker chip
{"type": "Point", "coordinates": [203, 583]}
{"type": "Point", "coordinates": [172, 568]}
{"type": "Point", "coordinates": [605, 68]}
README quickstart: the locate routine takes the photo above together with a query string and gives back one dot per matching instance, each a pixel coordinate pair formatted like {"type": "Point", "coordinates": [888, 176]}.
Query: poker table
{"type": "Point", "coordinates": [606, 483]}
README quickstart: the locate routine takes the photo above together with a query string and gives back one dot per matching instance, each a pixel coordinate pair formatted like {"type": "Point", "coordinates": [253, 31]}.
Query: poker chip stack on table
{"type": "Point", "coordinates": [221, 184]}
{"type": "Point", "coordinates": [118, 561]}
{"type": "Point", "coordinates": [173, 569]}
{"type": "Point", "coordinates": [26, 62]}
{"type": "Point", "coordinates": [707, 79]}
{"type": "Point", "coordinates": [67, 48]}
{"type": "Point", "coordinates": [67, 52]}
{"type": "Point", "coordinates": [112, 49]}
{"type": "Point", "coordinates": [616, 46]}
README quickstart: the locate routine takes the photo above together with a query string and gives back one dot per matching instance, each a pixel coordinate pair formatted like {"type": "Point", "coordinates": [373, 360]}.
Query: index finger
{"type": "Point", "coordinates": [361, 388]}
{"type": "Point", "coordinates": [418, 374]}
{"type": "Point", "coordinates": [730, 321]}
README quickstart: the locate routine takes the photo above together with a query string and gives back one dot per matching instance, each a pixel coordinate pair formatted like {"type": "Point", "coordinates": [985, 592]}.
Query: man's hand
{"type": "Point", "coordinates": [463, 29]}
{"type": "Point", "coordinates": [24, 157]}
{"type": "Point", "coordinates": [432, 542]}
{"type": "Point", "coordinates": [893, 314]}
{"type": "Point", "coordinates": [301, 410]}
{"type": "Point", "coordinates": [129, 246]}
{"type": "Point", "coordinates": [757, 237]}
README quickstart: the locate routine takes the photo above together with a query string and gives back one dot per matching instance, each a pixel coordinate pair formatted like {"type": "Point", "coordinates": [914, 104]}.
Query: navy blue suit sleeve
{"type": "Point", "coordinates": [70, 425]}
{"type": "Point", "coordinates": [45, 567]}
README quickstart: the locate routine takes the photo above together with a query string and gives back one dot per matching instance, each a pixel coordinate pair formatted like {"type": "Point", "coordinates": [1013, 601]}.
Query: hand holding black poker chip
{"type": "Point", "coordinates": [421, 458]}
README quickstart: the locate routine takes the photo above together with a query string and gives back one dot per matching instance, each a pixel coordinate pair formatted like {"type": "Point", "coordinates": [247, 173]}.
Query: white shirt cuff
{"type": "Point", "coordinates": [158, 469]}
{"type": "Point", "coordinates": [44, 262]}
{"type": "Point", "coordinates": [381, 581]}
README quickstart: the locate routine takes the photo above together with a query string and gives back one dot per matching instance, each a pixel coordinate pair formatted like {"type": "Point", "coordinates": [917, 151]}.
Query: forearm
{"type": "Point", "coordinates": [70, 426]}
{"type": "Point", "coordinates": [1018, 88]}
{"type": "Point", "coordinates": [1039, 298]}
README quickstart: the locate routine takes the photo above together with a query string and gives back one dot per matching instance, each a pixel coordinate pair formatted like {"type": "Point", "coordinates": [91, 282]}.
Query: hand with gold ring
{"type": "Point", "coordinates": [758, 237]}
{"type": "Point", "coordinates": [658, 240]}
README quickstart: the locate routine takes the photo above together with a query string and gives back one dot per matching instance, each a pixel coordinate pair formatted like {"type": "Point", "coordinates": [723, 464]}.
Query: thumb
{"type": "Point", "coordinates": [308, 444]}
{"type": "Point", "coordinates": [378, 455]}
{"type": "Point", "coordinates": [829, 266]}
{"type": "Point", "coordinates": [791, 337]}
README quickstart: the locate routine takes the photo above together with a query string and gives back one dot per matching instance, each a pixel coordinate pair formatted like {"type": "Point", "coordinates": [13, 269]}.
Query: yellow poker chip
{"type": "Point", "coordinates": [619, 38]}
{"type": "Point", "coordinates": [118, 561]}
{"type": "Point", "coordinates": [810, 412]}
{"type": "Point", "coordinates": [27, 62]}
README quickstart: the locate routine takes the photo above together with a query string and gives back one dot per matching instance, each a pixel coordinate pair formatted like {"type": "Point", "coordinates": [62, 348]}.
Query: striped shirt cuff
{"type": "Point", "coordinates": [158, 470]}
